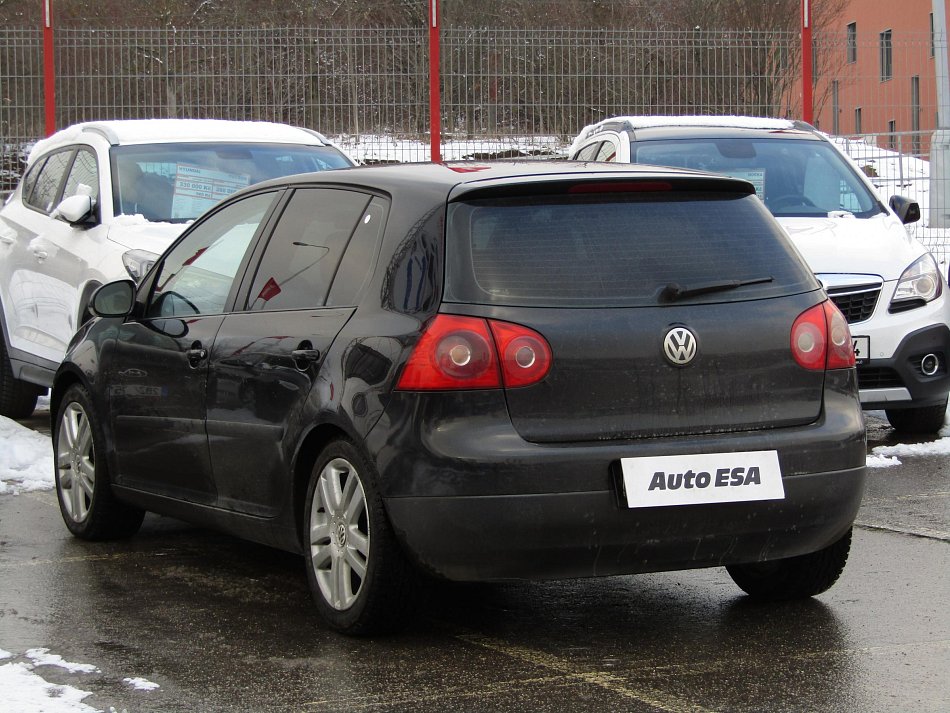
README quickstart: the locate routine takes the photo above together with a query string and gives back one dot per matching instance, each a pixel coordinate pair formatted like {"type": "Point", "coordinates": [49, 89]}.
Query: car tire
{"type": "Point", "coordinates": [795, 577]}
{"type": "Point", "coordinates": [923, 419]}
{"type": "Point", "coordinates": [17, 398]}
{"type": "Point", "coordinates": [88, 506]}
{"type": "Point", "coordinates": [360, 579]}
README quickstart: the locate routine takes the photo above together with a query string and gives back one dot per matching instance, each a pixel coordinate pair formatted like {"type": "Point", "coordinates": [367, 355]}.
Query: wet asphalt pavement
{"type": "Point", "coordinates": [224, 625]}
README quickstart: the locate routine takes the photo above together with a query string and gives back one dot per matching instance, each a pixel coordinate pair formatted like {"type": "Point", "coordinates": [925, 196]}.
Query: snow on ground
{"type": "Point", "coordinates": [388, 149]}
{"type": "Point", "coordinates": [25, 689]}
{"type": "Point", "coordinates": [26, 458]}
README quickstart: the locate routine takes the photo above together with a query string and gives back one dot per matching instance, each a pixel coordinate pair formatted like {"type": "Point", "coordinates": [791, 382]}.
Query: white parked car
{"type": "Point", "coordinates": [100, 201]}
{"type": "Point", "coordinates": [886, 283]}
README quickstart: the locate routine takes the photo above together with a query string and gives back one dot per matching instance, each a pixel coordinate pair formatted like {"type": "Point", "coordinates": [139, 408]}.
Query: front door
{"type": "Point", "coordinates": [158, 378]}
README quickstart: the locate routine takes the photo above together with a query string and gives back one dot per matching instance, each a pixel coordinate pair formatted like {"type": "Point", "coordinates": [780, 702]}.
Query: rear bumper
{"type": "Point", "coordinates": [563, 535]}
{"type": "Point", "coordinates": [471, 500]}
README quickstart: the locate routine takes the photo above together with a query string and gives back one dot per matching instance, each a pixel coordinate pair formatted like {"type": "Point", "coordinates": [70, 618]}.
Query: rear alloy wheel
{"type": "Point", "coordinates": [924, 419]}
{"type": "Point", "coordinates": [83, 487]}
{"type": "Point", "coordinates": [795, 577]}
{"type": "Point", "coordinates": [17, 398]}
{"type": "Point", "coordinates": [359, 577]}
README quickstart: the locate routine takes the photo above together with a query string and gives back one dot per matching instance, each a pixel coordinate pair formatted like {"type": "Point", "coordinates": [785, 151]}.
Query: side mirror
{"type": "Point", "coordinates": [74, 210]}
{"type": "Point", "coordinates": [907, 210]}
{"type": "Point", "coordinates": [114, 299]}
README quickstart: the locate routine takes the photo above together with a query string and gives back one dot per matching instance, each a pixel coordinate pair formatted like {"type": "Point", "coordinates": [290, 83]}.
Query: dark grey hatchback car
{"type": "Point", "coordinates": [476, 372]}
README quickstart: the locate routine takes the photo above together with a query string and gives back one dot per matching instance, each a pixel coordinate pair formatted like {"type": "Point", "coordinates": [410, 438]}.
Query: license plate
{"type": "Point", "coordinates": [862, 348]}
{"type": "Point", "coordinates": [701, 479]}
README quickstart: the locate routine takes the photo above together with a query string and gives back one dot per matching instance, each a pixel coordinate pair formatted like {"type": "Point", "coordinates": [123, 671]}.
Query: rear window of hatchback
{"type": "Point", "coordinates": [617, 249]}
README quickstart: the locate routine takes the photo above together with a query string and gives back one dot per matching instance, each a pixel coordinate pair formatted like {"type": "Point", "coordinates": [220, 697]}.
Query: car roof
{"type": "Point", "coordinates": [463, 176]}
{"type": "Point", "coordinates": [654, 127]}
{"type": "Point", "coordinates": [147, 131]}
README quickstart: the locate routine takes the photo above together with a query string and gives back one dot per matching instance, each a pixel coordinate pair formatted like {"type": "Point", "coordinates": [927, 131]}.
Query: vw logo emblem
{"type": "Point", "coordinates": [679, 346]}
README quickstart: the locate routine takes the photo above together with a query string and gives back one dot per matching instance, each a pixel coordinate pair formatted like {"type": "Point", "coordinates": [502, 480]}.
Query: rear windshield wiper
{"type": "Point", "coordinates": [675, 291]}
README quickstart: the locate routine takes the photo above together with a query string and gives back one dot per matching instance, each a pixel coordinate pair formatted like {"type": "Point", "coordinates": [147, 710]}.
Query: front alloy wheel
{"type": "Point", "coordinates": [75, 462]}
{"type": "Point", "coordinates": [83, 484]}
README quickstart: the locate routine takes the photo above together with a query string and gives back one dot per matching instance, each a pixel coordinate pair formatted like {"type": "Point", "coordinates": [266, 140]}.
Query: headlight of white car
{"type": "Point", "coordinates": [920, 282]}
{"type": "Point", "coordinates": [138, 262]}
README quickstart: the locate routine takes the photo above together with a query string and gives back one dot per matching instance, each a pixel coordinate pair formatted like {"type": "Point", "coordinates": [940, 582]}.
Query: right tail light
{"type": "Point", "coordinates": [821, 339]}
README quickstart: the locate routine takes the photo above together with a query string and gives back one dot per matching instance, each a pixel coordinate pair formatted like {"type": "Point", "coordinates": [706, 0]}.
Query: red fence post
{"type": "Point", "coordinates": [435, 80]}
{"type": "Point", "coordinates": [49, 68]}
{"type": "Point", "coordinates": [807, 69]}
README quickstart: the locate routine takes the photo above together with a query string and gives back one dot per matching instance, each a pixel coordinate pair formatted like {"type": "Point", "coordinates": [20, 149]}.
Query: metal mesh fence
{"type": "Point", "coordinates": [505, 92]}
{"type": "Point", "coordinates": [529, 91]}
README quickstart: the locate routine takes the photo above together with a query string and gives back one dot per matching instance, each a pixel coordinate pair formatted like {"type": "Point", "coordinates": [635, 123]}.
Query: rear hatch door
{"type": "Point", "coordinates": [668, 306]}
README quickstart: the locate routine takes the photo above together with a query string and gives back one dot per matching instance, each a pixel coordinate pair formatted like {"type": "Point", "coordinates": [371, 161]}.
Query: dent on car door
{"type": "Point", "coordinates": [270, 358]}
{"type": "Point", "coordinates": [158, 376]}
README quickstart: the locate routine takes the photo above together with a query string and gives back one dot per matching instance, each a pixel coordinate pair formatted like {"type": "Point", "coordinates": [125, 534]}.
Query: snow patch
{"type": "Point", "coordinates": [26, 459]}
{"type": "Point", "coordinates": [42, 657]}
{"type": "Point", "coordinates": [24, 690]}
{"type": "Point", "coordinates": [140, 684]}
{"type": "Point", "coordinates": [878, 461]}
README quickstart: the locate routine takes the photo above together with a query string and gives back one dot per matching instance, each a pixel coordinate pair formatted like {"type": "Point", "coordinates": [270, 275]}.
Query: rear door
{"type": "Point", "coordinates": [668, 308]}
{"type": "Point", "coordinates": [268, 357]}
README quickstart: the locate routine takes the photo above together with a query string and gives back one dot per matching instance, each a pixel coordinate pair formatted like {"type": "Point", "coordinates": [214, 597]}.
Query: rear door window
{"type": "Point", "coordinates": [618, 249]}
{"type": "Point", "coordinates": [304, 251]}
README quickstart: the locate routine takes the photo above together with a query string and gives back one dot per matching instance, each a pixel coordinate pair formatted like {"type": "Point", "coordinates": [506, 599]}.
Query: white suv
{"type": "Point", "coordinates": [885, 282]}
{"type": "Point", "coordinates": [100, 201]}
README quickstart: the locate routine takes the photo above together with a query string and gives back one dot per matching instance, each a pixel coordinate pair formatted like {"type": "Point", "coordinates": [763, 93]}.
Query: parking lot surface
{"type": "Point", "coordinates": [223, 625]}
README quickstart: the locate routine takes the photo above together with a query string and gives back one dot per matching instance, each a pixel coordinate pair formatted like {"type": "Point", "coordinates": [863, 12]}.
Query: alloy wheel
{"type": "Point", "coordinates": [339, 534]}
{"type": "Point", "coordinates": [76, 462]}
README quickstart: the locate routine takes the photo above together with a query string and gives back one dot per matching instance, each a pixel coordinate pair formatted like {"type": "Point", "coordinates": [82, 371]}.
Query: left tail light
{"type": "Point", "coordinates": [459, 352]}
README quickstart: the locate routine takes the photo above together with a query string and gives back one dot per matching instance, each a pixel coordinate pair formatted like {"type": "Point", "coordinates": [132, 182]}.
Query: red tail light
{"type": "Point", "coordinates": [525, 355]}
{"type": "Point", "coordinates": [821, 339]}
{"type": "Point", "coordinates": [457, 352]}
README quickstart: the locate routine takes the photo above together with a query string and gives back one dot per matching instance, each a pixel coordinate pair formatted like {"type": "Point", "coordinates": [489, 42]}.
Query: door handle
{"type": "Point", "coordinates": [40, 254]}
{"type": "Point", "coordinates": [196, 354]}
{"type": "Point", "coordinates": [303, 358]}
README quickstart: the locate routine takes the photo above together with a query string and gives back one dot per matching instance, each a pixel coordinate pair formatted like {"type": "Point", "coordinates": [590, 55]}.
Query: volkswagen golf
{"type": "Point", "coordinates": [475, 372]}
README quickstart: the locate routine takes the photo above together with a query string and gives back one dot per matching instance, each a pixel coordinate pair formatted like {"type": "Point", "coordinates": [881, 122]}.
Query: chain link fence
{"type": "Point", "coordinates": [505, 92]}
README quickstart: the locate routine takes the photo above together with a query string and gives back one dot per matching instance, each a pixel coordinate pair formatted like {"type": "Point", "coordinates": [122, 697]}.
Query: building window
{"type": "Point", "coordinates": [857, 120]}
{"type": "Point", "coordinates": [835, 108]}
{"type": "Point", "coordinates": [933, 50]}
{"type": "Point", "coordinates": [887, 56]}
{"type": "Point", "coordinates": [892, 135]}
{"type": "Point", "coordinates": [852, 42]}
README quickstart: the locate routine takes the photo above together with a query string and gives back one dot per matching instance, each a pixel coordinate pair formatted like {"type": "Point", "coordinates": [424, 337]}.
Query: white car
{"type": "Point", "coordinates": [100, 201]}
{"type": "Point", "coordinates": [886, 283]}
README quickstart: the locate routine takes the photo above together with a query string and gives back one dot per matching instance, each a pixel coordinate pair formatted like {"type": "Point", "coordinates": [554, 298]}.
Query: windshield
{"type": "Point", "coordinates": [794, 177]}
{"type": "Point", "coordinates": [178, 182]}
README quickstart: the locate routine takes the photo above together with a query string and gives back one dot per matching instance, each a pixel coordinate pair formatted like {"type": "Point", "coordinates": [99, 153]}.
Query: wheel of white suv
{"type": "Point", "coordinates": [924, 419]}
{"type": "Point", "coordinates": [17, 398]}
{"type": "Point", "coordinates": [795, 577]}
{"type": "Point", "coordinates": [83, 487]}
{"type": "Point", "coordinates": [359, 577]}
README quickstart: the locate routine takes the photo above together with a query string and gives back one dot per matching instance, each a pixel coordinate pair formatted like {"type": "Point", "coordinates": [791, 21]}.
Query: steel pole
{"type": "Point", "coordinates": [940, 141]}
{"type": "Point", "coordinates": [49, 68]}
{"type": "Point", "coordinates": [435, 80]}
{"type": "Point", "coordinates": [807, 69]}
